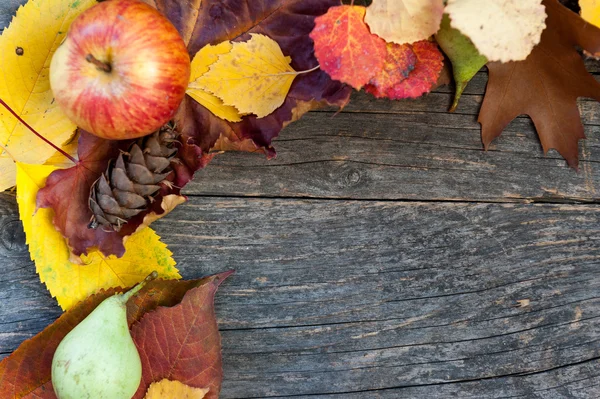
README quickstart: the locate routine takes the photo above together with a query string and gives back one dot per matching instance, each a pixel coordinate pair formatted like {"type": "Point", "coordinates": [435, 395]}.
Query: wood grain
{"type": "Point", "coordinates": [383, 254]}
{"type": "Point", "coordinates": [383, 298]}
{"type": "Point", "coordinates": [410, 150]}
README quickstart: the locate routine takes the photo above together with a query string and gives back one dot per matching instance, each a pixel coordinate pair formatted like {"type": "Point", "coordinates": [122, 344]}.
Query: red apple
{"type": "Point", "coordinates": [122, 70]}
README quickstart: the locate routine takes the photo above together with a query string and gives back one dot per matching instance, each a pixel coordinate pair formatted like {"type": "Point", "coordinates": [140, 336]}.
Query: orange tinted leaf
{"type": "Point", "coordinates": [345, 48]}
{"type": "Point", "coordinates": [546, 85]}
{"type": "Point", "coordinates": [410, 71]}
{"type": "Point", "coordinates": [26, 372]}
{"type": "Point", "coordinates": [167, 389]}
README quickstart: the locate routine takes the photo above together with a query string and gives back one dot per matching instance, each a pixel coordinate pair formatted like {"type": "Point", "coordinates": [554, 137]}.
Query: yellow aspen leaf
{"type": "Point", "coordinates": [166, 389]}
{"type": "Point", "coordinates": [590, 11]}
{"type": "Point", "coordinates": [254, 77]}
{"type": "Point", "coordinates": [69, 281]}
{"type": "Point", "coordinates": [201, 63]}
{"type": "Point", "coordinates": [26, 48]}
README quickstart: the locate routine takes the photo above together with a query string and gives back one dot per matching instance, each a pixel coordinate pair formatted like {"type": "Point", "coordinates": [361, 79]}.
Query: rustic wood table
{"type": "Point", "coordinates": [383, 254]}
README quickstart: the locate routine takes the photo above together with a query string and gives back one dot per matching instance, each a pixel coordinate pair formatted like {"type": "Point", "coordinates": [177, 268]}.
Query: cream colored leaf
{"type": "Point", "coordinates": [254, 77]}
{"type": "Point", "coordinates": [502, 30]}
{"type": "Point", "coordinates": [26, 48]}
{"type": "Point", "coordinates": [166, 389]}
{"type": "Point", "coordinates": [201, 63]}
{"type": "Point", "coordinates": [404, 21]}
{"type": "Point", "coordinates": [72, 281]}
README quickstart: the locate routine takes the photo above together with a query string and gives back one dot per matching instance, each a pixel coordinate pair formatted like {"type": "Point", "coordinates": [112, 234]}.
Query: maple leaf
{"type": "Point", "coordinates": [166, 389]}
{"type": "Point", "coordinates": [404, 21]}
{"type": "Point", "coordinates": [254, 76]}
{"type": "Point", "coordinates": [345, 47]}
{"type": "Point", "coordinates": [502, 30]}
{"type": "Point", "coordinates": [26, 372]}
{"type": "Point", "coordinates": [546, 85]}
{"type": "Point", "coordinates": [144, 251]}
{"type": "Point", "coordinates": [26, 48]}
{"type": "Point", "coordinates": [466, 60]}
{"type": "Point", "coordinates": [410, 71]}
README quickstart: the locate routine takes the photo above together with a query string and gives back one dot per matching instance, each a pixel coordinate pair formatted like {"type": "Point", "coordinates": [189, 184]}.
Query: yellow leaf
{"type": "Point", "coordinates": [590, 11]}
{"type": "Point", "coordinates": [70, 147]}
{"type": "Point", "coordinates": [501, 30]}
{"type": "Point", "coordinates": [254, 77]}
{"type": "Point", "coordinates": [404, 21]}
{"type": "Point", "coordinates": [72, 282]}
{"type": "Point", "coordinates": [201, 63]}
{"type": "Point", "coordinates": [165, 389]}
{"type": "Point", "coordinates": [26, 48]}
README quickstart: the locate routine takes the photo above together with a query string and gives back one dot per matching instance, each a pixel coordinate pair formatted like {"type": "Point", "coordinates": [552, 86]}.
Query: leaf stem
{"type": "Point", "coordinates": [51, 144]}
{"type": "Point", "coordinates": [309, 70]}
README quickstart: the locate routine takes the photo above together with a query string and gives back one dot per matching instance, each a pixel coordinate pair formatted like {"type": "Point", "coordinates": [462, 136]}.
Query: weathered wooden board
{"type": "Point", "coordinates": [378, 298]}
{"type": "Point", "coordinates": [412, 149]}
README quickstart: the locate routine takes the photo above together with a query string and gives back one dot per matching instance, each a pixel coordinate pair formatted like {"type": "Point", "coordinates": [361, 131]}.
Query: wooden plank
{"type": "Point", "coordinates": [379, 298]}
{"type": "Point", "coordinates": [414, 155]}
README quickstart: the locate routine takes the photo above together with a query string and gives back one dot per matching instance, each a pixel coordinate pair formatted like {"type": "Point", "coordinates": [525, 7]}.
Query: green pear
{"type": "Point", "coordinates": [98, 359]}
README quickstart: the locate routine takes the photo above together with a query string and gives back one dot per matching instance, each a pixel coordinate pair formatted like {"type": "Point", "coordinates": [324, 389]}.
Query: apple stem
{"type": "Point", "coordinates": [103, 66]}
{"type": "Point", "coordinates": [51, 144]}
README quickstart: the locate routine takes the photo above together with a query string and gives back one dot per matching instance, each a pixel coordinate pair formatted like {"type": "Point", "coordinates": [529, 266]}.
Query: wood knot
{"type": "Point", "coordinates": [12, 238]}
{"type": "Point", "coordinates": [350, 178]}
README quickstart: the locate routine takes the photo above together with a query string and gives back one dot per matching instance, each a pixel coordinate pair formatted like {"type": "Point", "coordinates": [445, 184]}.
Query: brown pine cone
{"type": "Point", "coordinates": [132, 180]}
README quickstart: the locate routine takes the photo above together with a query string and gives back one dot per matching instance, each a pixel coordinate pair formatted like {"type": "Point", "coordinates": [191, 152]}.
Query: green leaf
{"type": "Point", "coordinates": [465, 58]}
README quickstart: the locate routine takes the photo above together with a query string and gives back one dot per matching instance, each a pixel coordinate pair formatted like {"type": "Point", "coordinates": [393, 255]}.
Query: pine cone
{"type": "Point", "coordinates": [130, 183]}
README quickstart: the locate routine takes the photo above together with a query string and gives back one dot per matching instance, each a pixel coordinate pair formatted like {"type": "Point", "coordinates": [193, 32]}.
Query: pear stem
{"type": "Point", "coordinates": [51, 144]}
{"type": "Point", "coordinates": [138, 287]}
{"type": "Point", "coordinates": [103, 66]}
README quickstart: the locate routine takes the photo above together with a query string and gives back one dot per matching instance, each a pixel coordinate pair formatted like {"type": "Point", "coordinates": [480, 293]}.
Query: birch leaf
{"type": "Point", "coordinates": [201, 63]}
{"type": "Point", "coordinates": [26, 48]}
{"type": "Point", "coordinates": [70, 281]}
{"type": "Point", "coordinates": [166, 389]}
{"type": "Point", "coordinates": [254, 77]}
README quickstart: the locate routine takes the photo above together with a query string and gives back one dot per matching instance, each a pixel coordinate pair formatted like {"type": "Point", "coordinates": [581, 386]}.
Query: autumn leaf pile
{"type": "Point", "coordinates": [257, 65]}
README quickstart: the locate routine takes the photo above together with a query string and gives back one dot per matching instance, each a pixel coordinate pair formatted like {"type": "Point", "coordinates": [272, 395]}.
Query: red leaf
{"type": "Point", "coordinates": [181, 343]}
{"type": "Point", "coordinates": [546, 85]}
{"type": "Point", "coordinates": [26, 372]}
{"type": "Point", "coordinates": [67, 192]}
{"type": "Point", "coordinates": [289, 23]}
{"type": "Point", "coordinates": [410, 71]}
{"type": "Point", "coordinates": [345, 47]}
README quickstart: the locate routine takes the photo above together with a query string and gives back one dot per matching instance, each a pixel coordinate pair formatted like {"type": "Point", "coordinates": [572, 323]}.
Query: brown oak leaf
{"type": "Point", "coordinates": [546, 85]}
{"type": "Point", "coordinates": [26, 372]}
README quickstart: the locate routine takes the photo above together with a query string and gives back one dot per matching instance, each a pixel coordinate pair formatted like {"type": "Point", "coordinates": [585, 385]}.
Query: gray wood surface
{"type": "Point", "coordinates": [384, 254]}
